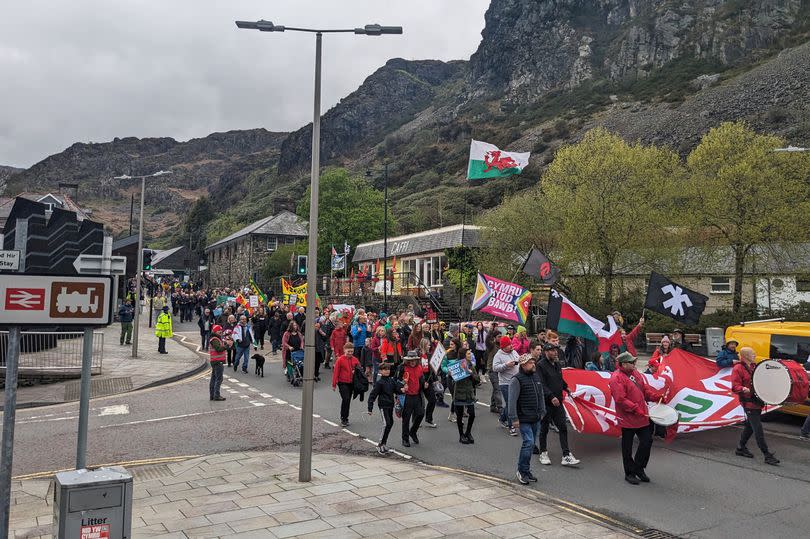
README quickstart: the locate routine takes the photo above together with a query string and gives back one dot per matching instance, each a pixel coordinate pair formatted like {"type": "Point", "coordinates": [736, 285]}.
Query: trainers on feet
{"type": "Point", "coordinates": [569, 460]}
{"type": "Point", "coordinates": [530, 477]}
{"type": "Point", "coordinates": [522, 478]}
{"type": "Point", "coordinates": [743, 452]}
{"type": "Point", "coordinates": [631, 479]}
{"type": "Point", "coordinates": [544, 458]}
{"type": "Point", "coordinates": [381, 449]}
{"type": "Point", "coordinates": [503, 424]}
{"type": "Point", "coordinates": [772, 460]}
{"type": "Point", "coordinates": [431, 424]}
{"type": "Point", "coordinates": [513, 431]}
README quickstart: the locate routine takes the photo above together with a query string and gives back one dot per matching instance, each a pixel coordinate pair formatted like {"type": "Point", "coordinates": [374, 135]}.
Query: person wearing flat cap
{"type": "Point", "coordinates": [526, 407]}
{"type": "Point", "coordinates": [630, 391]}
{"type": "Point", "coordinates": [554, 385]}
{"type": "Point", "coordinates": [728, 355]}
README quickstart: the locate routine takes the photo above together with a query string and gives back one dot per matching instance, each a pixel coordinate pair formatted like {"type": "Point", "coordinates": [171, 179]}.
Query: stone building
{"type": "Point", "coordinates": [233, 260]}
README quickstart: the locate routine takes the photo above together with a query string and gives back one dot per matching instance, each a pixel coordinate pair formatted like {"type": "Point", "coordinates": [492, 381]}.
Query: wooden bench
{"type": "Point", "coordinates": [653, 340]}
{"type": "Point", "coordinates": [694, 340]}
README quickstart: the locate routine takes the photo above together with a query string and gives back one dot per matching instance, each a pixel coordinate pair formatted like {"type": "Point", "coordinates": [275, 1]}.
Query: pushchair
{"type": "Point", "coordinates": [295, 368]}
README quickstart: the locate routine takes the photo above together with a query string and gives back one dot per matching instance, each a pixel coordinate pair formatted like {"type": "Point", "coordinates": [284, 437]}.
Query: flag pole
{"type": "Point", "coordinates": [461, 271]}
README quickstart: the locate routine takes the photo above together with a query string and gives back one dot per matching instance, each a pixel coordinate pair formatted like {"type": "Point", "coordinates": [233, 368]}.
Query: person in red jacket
{"type": "Point", "coordinates": [338, 338]}
{"type": "Point", "coordinates": [343, 379]}
{"type": "Point", "coordinates": [631, 392]}
{"type": "Point", "coordinates": [741, 383]}
{"type": "Point", "coordinates": [412, 376]}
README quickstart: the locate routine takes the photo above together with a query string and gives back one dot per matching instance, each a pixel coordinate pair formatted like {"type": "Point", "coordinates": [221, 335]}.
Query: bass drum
{"type": "Point", "coordinates": [772, 382]}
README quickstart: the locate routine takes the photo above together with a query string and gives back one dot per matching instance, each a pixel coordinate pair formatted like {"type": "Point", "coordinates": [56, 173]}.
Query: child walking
{"type": "Point", "coordinates": [385, 391]}
{"type": "Point", "coordinates": [343, 379]}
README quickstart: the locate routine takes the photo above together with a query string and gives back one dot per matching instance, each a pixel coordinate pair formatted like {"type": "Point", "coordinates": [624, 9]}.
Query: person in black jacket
{"type": "Point", "coordinates": [205, 323]}
{"type": "Point", "coordinates": [274, 327]}
{"type": "Point", "coordinates": [553, 386]}
{"type": "Point", "coordinates": [526, 408]}
{"type": "Point", "coordinates": [385, 391]}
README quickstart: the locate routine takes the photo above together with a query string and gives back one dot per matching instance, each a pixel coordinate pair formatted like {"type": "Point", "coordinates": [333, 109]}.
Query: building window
{"type": "Point", "coordinates": [721, 285]}
{"type": "Point", "coordinates": [803, 283]}
{"type": "Point", "coordinates": [272, 243]}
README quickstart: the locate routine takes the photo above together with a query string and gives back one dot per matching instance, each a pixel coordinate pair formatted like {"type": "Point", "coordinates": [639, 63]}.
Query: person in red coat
{"type": "Point", "coordinates": [741, 383]}
{"type": "Point", "coordinates": [343, 379]}
{"type": "Point", "coordinates": [631, 392]}
{"type": "Point", "coordinates": [338, 338]}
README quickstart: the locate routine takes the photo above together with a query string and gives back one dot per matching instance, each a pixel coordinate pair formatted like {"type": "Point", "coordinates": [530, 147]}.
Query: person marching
{"type": "Point", "coordinates": [411, 375]}
{"type": "Point", "coordinates": [526, 408]}
{"type": "Point", "coordinates": [343, 379]}
{"type": "Point", "coordinates": [741, 384]}
{"type": "Point", "coordinates": [505, 364]}
{"type": "Point", "coordinates": [631, 392]}
{"type": "Point", "coordinates": [217, 347]}
{"type": "Point", "coordinates": [163, 329]}
{"type": "Point", "coordinates": [386, 388]}
{"type": "Point", "coordinates": [554, 384]}
{"type": "Point", "coordinates": [463, 395]}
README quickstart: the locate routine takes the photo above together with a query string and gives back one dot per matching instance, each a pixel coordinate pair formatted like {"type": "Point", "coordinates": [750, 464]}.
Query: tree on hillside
{"type": "Point", "coordinates": [349, 210]}
{"type": "Point", "coordinates": [194, 226]}
{"type": "Point", "coordinates": [745, 193]}
{"type": "Point", "coordinates": [607, 199]}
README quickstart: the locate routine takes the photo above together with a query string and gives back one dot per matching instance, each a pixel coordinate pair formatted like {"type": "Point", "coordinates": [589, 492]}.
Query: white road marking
{"type": "Point", "coordinates": [118, 409]}
{"type": "Point", "coordinates": [223, 386]}
{"type": "Point", "coordinates": [316, 416]}
{"type": "Point", "coordinates": [253, 389]}
{"type": "Point", "coordinates": [266, 395]}
{"type": "Point", "coordinates": [347, 431]}
{"type": "Point", "coordinates": [294, 406]}
{"type": "Point", "coordinates": [403, 455]}
{"type": "Point", "coordinates": [279, 401]}
{"type": "Point", "coordinates": [169, 418]}
{"type": "Point", "coordinates": [241, 384]}
{"type": "Point", "coordinates": [244, 396]}
{"type": "Point", "coordinates": [330, 423]}
{"type": "Point", "coordinates": [254, 403]}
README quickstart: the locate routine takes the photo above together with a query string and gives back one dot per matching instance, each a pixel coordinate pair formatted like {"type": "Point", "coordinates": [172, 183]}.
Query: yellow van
{"type": "Point", "coordinates": [776, 339]}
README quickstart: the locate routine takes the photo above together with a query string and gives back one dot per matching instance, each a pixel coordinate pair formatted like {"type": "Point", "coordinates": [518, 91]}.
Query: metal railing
{"type": "Point", "coordinates": [52, 353]}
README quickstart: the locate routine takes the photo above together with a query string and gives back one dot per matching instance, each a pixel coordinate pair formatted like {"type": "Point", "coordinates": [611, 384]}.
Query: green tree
{"type": "Point", "coordinates": [195, 223]}
{"type": "Point", "coordinates": [349, 209]}
{"type": "Point", "coordinates": [611, 202]}
{"type": "Point", "coordinates": [741, 193]}
{"type": "Point", "coordinates": [281, 262]}
{"type": "Point", "coordinates": [223, 225]}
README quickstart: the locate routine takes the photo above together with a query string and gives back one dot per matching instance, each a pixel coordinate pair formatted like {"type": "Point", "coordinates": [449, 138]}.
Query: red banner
{"type": "Point", "coordinates": [698, 390]}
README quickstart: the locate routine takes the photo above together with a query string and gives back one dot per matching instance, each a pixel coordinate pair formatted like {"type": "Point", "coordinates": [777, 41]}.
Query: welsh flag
{"type": "Point", "coordinates": [487, 161]}
{"type": "Point", "coordinates": [564, 316]}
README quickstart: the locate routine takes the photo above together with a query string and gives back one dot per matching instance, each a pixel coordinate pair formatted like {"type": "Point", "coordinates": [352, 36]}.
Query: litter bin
{"type": "Point", "coordinates": [715, 339]}
{"type": "Point", "coordinates": [93, 504]}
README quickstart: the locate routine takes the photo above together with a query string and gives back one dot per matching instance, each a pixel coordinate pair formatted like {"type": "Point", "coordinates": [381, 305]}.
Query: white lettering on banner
{"type": "Point", "coordinates": [504, 306]}
{"type": "Point", "coordinates": [436, 358]}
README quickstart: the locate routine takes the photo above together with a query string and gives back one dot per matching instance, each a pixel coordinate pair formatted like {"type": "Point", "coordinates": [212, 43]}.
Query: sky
{"type": "Point", "coordinates": [92, 70]}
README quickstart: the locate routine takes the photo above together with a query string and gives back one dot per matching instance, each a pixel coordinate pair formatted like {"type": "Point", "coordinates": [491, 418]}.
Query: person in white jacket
{"type": "Point", "coordinates": [505, 363]}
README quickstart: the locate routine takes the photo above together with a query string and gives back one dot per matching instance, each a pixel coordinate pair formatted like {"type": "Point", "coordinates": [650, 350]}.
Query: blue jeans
{"type": "Point", "coordinates": [528, 431]}
{"type": "Point", "coordinates": [216, 378]}
{"type": "Point", "coordinates": [505, 393]}
{"type": "Point", "coordinates": [806, 426]}
{"type": "Point", "coordinates": [239, 353]}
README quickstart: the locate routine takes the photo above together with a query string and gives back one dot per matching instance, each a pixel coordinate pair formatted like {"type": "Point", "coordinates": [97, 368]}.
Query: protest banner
{"type": "Point", "coordinates": [436, 358]}
{"type": "Point", "coordinates": [502, 299]}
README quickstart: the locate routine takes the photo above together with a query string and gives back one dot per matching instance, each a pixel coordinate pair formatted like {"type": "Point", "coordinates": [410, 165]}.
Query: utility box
{"type": "Point", "coordinates": [93, 504]}
{"type": "Point", "coordinates": [715, 339]}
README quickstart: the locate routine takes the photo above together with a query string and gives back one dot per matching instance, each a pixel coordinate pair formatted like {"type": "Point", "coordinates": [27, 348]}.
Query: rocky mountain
{"type": "Point", "coordinates": [661, 71]}
{"type": "Point", "coordinates": [5, 173]}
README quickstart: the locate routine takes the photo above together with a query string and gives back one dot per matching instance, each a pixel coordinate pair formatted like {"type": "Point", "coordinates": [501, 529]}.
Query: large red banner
{"type": "Point", "coordinates": [698, 390]}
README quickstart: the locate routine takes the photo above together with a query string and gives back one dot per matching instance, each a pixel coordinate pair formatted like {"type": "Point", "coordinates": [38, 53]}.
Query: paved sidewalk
{"type": "Point", "coordinates": [257, 495]}
{"type": "Point", "coordinates": [120, 371]}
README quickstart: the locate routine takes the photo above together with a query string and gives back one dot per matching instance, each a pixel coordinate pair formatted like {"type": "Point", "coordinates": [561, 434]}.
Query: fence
{"type": "Point", "coordinates": [52, 354]}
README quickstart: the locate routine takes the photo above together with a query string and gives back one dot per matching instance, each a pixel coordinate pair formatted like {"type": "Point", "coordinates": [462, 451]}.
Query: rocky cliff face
{"type": "Point", "coordinates": [387, 98]}
{"type": "Point", "coordinates": [532, 47]}
{"type": "Point", "coordinates": [5, 173]}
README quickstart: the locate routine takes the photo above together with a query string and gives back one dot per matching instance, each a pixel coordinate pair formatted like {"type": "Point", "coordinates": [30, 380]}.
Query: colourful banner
{"type": "Point", "coordinates": [502, 299]}
{"type": "Point", "coordinates": [296, 294]}
{"type": "Point", "coordinates": [698, 390]}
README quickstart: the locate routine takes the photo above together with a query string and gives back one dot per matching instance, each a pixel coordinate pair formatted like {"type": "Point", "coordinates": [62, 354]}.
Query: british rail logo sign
{"type": "Point", "coordinates": [36, 300]}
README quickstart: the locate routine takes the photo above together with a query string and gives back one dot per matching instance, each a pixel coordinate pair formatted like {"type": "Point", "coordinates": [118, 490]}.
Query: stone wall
{"type": "Point", "coordinates": [237, 263]}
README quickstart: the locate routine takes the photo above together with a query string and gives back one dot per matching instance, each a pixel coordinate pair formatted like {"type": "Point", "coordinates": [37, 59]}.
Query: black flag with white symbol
{"type": "Point", "coordinates": [673, 300]}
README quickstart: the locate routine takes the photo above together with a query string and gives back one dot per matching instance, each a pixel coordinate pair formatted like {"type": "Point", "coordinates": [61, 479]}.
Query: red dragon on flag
{"type": "Point", "coordinates": [494, 159]}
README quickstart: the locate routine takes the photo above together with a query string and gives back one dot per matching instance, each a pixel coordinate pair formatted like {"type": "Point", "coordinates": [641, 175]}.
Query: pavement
{"type": "Point", "coordinates": [257, 495]}
{"type": "Point", "coordinates": [120, 371]}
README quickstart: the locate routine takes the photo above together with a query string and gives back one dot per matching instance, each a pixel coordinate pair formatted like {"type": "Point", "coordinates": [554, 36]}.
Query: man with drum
{"type": "Point", "coordinates": [631, 392]}
{"type": "Point", "coordinates": [742, 384]}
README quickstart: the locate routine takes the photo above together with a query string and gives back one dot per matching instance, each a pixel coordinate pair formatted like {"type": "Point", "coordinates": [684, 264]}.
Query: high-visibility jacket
{"type": "Point", "coordinates": [163, 326]}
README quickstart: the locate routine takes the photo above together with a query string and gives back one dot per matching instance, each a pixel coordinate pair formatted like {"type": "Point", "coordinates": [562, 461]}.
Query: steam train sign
{"type": "Point", "coordinates": [47, 300]}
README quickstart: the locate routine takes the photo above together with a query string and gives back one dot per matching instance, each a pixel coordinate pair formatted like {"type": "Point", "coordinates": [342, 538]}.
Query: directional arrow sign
{"type": "Point", "coordinates": [95, 264]}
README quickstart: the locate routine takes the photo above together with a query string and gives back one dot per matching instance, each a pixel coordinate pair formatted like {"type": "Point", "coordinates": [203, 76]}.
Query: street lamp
{"type": "Point", "coordinates": [139, 268]}
{"type": "Point", "coordinates": [385, 236]}
{"type": "Point", "coordinates": [305, 460]}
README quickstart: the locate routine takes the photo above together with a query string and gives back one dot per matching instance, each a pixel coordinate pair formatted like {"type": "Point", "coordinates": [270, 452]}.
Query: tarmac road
{"type": "Point", "coordinates": [699, 487]}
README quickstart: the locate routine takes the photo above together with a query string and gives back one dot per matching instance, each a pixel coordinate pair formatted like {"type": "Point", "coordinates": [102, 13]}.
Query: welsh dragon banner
{"type": "Point", "coordinates": [697, 389]}
{"type": "Point", "coordinates": [502, 299]}
{"type": "Point", "coordinates": [296, 295]}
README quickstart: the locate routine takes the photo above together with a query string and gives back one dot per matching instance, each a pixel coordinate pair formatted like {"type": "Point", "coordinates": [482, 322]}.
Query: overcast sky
{"type": "Point", "coordinates": [91, 70]}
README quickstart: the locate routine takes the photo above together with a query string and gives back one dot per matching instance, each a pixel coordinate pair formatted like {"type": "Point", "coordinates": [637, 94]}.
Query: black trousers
{"type": "Point", "coordinates": [229, 356]}
{"type": "Point", "coordinates": [161, 344]}
{"type": "Point", "coordinates": [345, 399]}
{"type": "Point", "coordinates": [388, 422]}
{"type": "Point", "coordinates": [460, 418]}
{"type": "Point", "coordinates": [645, 439]}
{"type": "Point", "coordinates": [318, 362]}
{"type": "Point", "coordinates": [431, 404]}
{"type": "Point", "coordinates": [753, 425]}
{"type": "Point", "coordinates": [413, 409]}
{"type": "Point", "coordinates": [260, 333]}
{"type": "Point", "coordinates": [557, 415]}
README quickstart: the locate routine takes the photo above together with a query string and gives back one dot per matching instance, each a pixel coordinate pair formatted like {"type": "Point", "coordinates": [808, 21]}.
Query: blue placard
{"type": "Point", "coordinates": [457, 372]}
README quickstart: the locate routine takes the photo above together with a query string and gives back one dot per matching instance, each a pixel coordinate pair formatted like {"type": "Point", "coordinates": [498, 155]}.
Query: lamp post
{"type": "Point", "coordinates": [305, 459]}
{"type": "Point", "coordinates": [385, 236]}
{"type": "Point", "coordinates": [139, 268]}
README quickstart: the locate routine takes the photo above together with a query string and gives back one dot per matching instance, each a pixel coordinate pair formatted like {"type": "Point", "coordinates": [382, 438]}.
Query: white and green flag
{"type": "Point", "coordinates": [487, 161]}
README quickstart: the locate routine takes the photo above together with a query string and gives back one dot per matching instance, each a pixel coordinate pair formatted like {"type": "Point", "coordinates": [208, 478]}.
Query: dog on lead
{"type": "Point", "coordinates": [259, 359]}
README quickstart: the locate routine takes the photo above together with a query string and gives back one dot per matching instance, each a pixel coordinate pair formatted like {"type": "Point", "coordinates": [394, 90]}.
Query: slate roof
{"type": "Point", "coordinates": [428, 241]}
{"type": "Point", "coordinates": [6, 203]}
{"type": "Point", "coordinates": [164, 254]}
{"type": "Point", "coordinates": [284, 224]}
{"type": "Point", "coordinates": [120, 243]}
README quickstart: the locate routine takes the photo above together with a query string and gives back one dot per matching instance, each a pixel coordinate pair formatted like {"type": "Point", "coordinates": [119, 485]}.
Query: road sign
{"type": "Point", "coordinates": [95, 264]}
{"type": "Point", "coordinates": [9, 260]}
{"type": "Point", "coordinates": [47, 300]}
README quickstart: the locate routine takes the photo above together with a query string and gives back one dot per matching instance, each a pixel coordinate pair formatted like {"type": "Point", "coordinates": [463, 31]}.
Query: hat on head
{"type": "Point", "coordinates": [454, 327]}
{"type": "Point", "coordinates": [521, 329]}
{"type": "Point", "coordinates": [677, 330]}
{"type": "Point", "coordinates": [525, 358]}
{"type": "Point", "coordinates": [217, 328]}
{"type": "Point", "coordinates": [510, 326]}
{"type": "Point", "coordinates": [412, 354]}
{"type": "Point", "coordinates": [625, 357]}
{"type": "Point", "coordinates": [664, 339]}
{"type": "Point", "coordinates": [735, 341]}
{"type": "Point", "coordinates": [550, 346]}
{"type": "Point", "coordinates": [505, 341]}
{"type": "Point", "coordinates": [165, 308]}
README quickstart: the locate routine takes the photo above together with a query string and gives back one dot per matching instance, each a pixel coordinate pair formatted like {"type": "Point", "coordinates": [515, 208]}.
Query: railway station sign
{"type": "Point", "coordinates": [55, 300]}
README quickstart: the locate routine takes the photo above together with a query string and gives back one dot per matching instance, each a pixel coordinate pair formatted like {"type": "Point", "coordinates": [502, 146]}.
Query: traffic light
{"type": "Point", "coordinates": [301, 266]}
{"type": "Point", "coordinates": [147, 259]}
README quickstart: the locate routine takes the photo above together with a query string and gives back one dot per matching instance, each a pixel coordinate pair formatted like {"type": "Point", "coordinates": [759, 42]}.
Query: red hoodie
{"type": "Point", "coordinates": [413, 386]}
{"type": "Point", "coordinates": [337, 339]}
{"type": "Point", "coordinates": [343, 370]}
